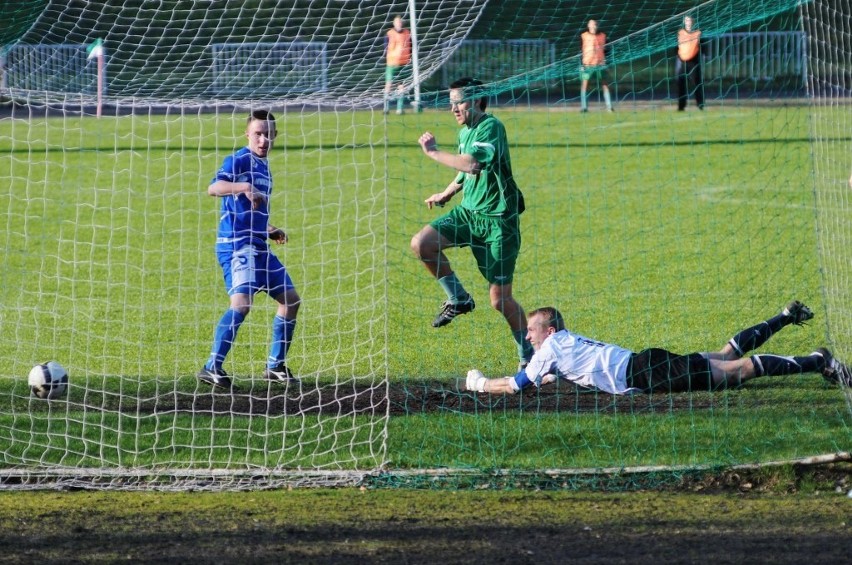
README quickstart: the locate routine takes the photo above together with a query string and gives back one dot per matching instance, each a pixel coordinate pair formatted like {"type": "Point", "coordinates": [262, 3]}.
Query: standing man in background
{"type": "Point", "coordinates": [688, 65]}
{"type": "Point", "coordinates": [593, 43]}
{"type": "Point", "coordinates": [398, 57]}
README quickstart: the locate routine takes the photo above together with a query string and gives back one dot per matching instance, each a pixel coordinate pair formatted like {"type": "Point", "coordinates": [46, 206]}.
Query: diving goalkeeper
{"type": "Point", "coordinates": [560, 353]}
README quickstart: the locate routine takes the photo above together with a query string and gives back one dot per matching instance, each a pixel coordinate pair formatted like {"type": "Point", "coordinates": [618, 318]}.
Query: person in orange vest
{"type": "Point", "coordinates": [593, 59]}
{"type": "Point", "coordinates": [688, 64]}
{"type": "Point", "coordinates": [398, 56]}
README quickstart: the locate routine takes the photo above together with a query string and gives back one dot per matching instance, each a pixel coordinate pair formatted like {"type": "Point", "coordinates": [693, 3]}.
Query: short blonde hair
{"type": "Point", "coordinates": [551, 317]}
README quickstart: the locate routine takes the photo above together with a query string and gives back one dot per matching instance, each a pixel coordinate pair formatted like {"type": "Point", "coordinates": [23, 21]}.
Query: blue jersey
{"type": "Point", "coordinates": [239, 224]}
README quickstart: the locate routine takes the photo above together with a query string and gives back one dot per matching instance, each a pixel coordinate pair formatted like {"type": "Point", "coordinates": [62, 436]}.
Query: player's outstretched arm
{"type": "Point", "coordinates": [477, 382]}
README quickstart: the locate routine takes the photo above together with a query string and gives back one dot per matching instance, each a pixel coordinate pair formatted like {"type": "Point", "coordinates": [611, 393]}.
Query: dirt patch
{"type": "Point", "coordinates": [415, 397]}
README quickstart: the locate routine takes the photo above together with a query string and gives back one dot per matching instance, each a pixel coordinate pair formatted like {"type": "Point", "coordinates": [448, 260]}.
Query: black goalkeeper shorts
{"type": "Point", "coordinates": [659, 370]}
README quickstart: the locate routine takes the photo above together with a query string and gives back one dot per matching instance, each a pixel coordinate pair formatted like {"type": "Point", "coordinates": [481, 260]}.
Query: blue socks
{"type": "Point", "coordinates": [282, 336]}
{"type": "Point", "coordinates": [223, 338]}
{"type": "Point", "coordinates": [226, 333]}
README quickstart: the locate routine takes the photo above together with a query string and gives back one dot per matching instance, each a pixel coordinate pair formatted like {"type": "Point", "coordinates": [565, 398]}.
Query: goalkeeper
{"type": "Point", "coordinates": [615, 370]}
{"type": "Point", "coordinates": [243, 184]}
{"type": "Point", "coordinates": [486, 220]}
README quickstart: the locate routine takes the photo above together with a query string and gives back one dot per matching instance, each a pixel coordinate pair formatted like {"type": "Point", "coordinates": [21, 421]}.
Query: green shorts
{"type": "Point", "coordinates": [494, 240]}
{"type": "Point", "coordinates": [398, 73]}
{"type": "Point", "coordinates": [586, 73]}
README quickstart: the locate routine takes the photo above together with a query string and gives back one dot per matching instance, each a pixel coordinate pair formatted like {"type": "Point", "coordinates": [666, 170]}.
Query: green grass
{"type": "Point", "coordinates": [646, 228]}
{"type": "Point", "coordinates": [180, 440]}
{"type": "Point", "coordinates": [735, 430]}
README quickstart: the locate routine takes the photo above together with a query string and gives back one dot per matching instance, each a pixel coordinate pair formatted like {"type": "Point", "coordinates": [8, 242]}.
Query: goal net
{"type": "Point", "coordinates": [270, 69]}
{"type": "Point", "coordinates": [646, 227]}
{"type": "Point", "coordinates": [59, 68]}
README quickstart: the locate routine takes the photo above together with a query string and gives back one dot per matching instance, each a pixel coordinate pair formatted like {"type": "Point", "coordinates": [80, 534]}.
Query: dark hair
{"type": "Point", "coordinates": [552, 316]}
{"type": "Point", "coordinates": [261, 115]}
{"type": "Point", "coordinates": [473, 90]}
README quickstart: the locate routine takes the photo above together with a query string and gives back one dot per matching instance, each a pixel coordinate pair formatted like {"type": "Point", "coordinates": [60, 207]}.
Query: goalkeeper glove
{"type": "Point", "coordinates": [475, 381]}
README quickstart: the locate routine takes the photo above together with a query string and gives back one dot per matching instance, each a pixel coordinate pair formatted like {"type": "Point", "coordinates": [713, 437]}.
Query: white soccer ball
{"type": "Point", "coordinates": [48, 380]}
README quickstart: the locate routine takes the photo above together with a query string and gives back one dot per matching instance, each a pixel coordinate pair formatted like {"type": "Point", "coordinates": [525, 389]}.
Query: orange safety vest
{"type": "Point", "coordinates": [593, 48]}
{"type": "Point", "coordinates": [399, 48]}
{"type": "Point", "coordinates": [688, 44]}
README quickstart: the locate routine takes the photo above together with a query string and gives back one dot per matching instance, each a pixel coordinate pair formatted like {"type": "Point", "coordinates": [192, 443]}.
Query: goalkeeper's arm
{"type": "Point", "coordinates": [477, 382]}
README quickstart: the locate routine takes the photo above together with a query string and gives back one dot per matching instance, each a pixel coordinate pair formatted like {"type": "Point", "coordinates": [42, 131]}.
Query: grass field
{"type": "Point", "coordinates": [645, 227]}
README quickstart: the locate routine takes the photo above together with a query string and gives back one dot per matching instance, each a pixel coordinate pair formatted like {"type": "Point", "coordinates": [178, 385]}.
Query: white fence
{"type": "Point", "coordinates": [301, 67]}
{"type": "Point", "coordinates": [269, 68]}
{"type": "Point", "coordinates": [496, 59]}
{"type": "Point", "coordinates": [756, 56]}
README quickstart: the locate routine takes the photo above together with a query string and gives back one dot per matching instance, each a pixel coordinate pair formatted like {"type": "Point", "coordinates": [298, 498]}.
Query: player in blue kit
{"type": "Point", "coordinates": [244, 184]}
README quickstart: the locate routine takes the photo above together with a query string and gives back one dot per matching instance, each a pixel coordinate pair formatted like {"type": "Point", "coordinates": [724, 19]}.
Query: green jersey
{"type": "Point", "coordinates": [492, 191]}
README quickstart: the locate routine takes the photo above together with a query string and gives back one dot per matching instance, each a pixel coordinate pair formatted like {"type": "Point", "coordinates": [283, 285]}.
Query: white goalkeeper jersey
{"type": "Point", "coordinates": [583, 361]}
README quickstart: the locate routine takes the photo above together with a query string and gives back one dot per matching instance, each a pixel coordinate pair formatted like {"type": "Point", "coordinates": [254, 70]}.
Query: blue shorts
{"type": "Point", "coordinates": [250, 270]}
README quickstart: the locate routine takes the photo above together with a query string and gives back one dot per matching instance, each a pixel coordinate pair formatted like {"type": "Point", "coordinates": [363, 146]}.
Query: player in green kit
{"type": "Point", "coordinates": [487, 219]}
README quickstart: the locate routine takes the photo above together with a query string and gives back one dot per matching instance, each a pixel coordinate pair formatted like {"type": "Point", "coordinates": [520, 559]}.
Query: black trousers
{"type": "Point", "coordinates": [689, 70]}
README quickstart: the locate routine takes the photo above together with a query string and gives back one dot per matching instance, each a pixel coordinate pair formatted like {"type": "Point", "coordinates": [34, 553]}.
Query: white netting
{"type": "Point", "coordinates": [829, 30]}
{"type": "Point", "coordinates": [108, 242]}
{"type": "Point", "coordinates": [109, 233]}
{"type": "Point", "coordinates": [310, 50]}
{"type": "Point", "coordinates": [111, 269]}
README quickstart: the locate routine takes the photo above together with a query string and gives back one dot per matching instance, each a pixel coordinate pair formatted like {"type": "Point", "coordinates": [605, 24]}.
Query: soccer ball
{"type": "Point", "coordinates": [48, 380]}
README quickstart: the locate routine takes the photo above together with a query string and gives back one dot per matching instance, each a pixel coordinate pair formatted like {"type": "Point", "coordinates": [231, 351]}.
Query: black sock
{"type": "Point", "coordinates": [777, 365]}
{"type": "Point", "coordinates": [755, 336]}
